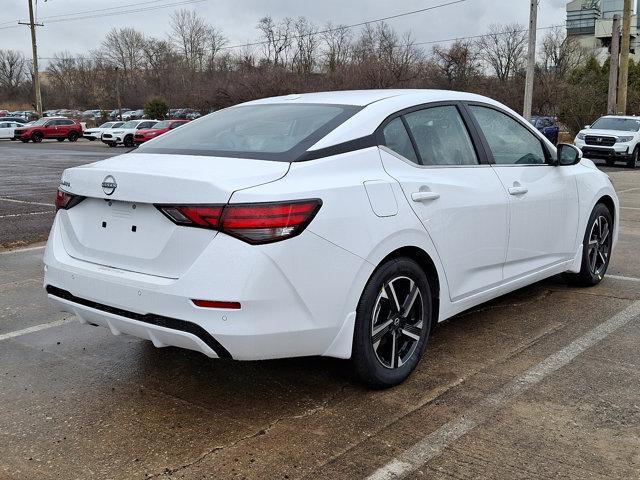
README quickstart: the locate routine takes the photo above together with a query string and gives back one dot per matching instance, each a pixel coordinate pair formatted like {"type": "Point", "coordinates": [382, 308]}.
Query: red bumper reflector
{"type": "Point", "coordinates": [216, 304]}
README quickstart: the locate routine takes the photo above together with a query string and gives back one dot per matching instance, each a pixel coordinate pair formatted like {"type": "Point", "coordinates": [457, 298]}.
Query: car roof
{"type": "Point", "coordinates": [623, 117]}
{"type": "Point", "coordinates": [365, 97]}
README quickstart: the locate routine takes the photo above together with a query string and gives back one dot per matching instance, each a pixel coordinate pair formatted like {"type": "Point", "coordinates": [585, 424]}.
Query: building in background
{"type": "Point", "coordinates": [591, 23]}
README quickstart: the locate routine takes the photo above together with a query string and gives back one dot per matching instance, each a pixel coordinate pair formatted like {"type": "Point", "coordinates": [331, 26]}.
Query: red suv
{"type": "Point", "coordinates": [58, 128]}
{"type": "Point", "coordinates": [158, 129]}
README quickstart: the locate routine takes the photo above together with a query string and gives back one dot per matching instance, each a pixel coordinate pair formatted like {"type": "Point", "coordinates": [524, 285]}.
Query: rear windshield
{"type": "Point", "coordinates": [620, 124]}
{"type": "Point", "coordinates": [264, 132]}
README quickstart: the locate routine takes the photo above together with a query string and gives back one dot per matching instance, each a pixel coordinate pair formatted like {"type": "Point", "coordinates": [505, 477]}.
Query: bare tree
{"type": "Point", "coordinates": [217, 41]}
{"type": "Point", "coordinates": [560, 53]}
{"type": "Point", "coordinates": [458, 64]}
{"type": "Point", "coordinates": [277, 39]}
{"type": "Point", "coordinates": [13, 70]}
{"type": "Point", "coordinates": [337, 45]}
{"type": "Point", "coordinates": [306, 46]}
{"type": "Point", "coordinates": [124, 48]}
{"type": "Point", "coordinates": [192, 37]}
{"type": "Point", "coordinates": [503, 49]}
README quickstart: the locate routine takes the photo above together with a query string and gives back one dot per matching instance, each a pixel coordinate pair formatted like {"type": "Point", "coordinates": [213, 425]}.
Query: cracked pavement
{"type": "Point", "coordinates": [78, 403]}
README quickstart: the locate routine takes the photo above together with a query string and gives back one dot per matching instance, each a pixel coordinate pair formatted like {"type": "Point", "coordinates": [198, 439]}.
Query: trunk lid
{"type": "Point", "coordinates": [117, 224]}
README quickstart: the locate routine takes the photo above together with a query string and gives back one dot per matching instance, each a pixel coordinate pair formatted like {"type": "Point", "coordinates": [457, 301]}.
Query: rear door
{"type": "Point", "coordinates": [543, 198]}
{"type": "Point", "coordinates": [64, 127]}
{"type": "Point", "coordinates": [453, 191]}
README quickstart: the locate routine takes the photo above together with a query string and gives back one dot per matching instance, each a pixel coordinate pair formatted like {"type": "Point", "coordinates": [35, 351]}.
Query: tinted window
{"type": "Point", "coordinates": [510, 142]}
{"type": "Point", "coordinates": [65, 122]}
{"type": "Point", "coordinates": [397, 139]}
{"type": "Point", "coordinates": [269, 131]}
{"type": "Point", "coordinates": [441, 136]}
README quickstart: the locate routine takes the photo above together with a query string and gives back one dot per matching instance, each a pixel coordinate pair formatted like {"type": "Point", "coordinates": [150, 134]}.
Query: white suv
{"type": "Point", "coordinates": [612, 138]}
{"type": "Point", "coordinates": [124, 135]}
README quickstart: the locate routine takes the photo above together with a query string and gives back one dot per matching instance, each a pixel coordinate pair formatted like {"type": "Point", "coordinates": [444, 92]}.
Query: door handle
{"type": "Point", "coordinates": [519, 190]}
{"type": "Point", "coordinates": [424, 196]}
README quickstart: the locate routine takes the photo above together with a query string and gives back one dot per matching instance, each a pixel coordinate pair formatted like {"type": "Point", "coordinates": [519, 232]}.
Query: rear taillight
{"type": "Point", "coordinates": [65, 200]}
{"type": "Point", "coordinates": [255, 223]}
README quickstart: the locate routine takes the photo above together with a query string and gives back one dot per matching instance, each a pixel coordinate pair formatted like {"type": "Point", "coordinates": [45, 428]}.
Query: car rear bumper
{"type": "Point", "coordinates": [288, 308]}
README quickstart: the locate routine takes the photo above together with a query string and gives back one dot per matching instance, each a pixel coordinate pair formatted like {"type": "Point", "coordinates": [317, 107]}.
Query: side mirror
{"type": "Point", "coordinates": [568, 154]}
{"type": "Point", "coordinates": [586, 127]}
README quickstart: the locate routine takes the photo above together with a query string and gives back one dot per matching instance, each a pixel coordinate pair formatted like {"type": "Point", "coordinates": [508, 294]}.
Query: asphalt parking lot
{"type": "Point", "coordinates": [542, 383]}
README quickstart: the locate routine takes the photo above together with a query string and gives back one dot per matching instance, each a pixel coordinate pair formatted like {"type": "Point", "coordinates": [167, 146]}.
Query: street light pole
{"type": "Point", "coordinates": [36, 76]}
{"type": "Point", "coordinates": [531, 60]}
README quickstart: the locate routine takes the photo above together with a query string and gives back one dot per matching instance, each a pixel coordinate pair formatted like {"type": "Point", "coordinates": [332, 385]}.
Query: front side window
{"type": "Point", "coordinates": [441, 136]}
{"type": "Point", "coordinates": [397, 139]}
{"type": "Point", "coordinates": [279, 132]}
{"type": "Point", "coordinates": [510, 142]}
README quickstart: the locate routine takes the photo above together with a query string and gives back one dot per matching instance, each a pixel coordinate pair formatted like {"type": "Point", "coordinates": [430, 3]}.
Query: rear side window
{"type": "Point", "coordinates": [280, 132]}
{"type": "Point", "coordinates": [441, 136]}
{"type": "Point", "coordinates": [510, 142]}
{"type": "Point", "coordinates": [397, 139]}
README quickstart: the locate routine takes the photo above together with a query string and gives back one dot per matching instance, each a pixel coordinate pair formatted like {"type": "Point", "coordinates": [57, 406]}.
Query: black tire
{"type": "Point", "coordinates": [632, 161]}
{"type": "Point", "coordinates": [73, 136]}
{"type": "Point", "coordinates": [60, 139]}
{"type": "Point", "coordinates": [24, 140]}
{"type": "Point", "coordinates": [36, 137]}
{"type": "Point", "coordinates": [595, 256]}
{"type": "Point", "coordinates": [391, 359]}
{"type": "Point", "coordinates": [112, 144]}
{"type": "Point", "coordinates": [610, 162]}
{"type": "Point", "coordinates": [128, 141]}
{"type": "Point", "coordinates": [91, 139]}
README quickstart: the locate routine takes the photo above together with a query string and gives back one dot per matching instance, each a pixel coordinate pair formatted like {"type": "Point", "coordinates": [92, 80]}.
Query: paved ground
{"type": "Point", "coordinates": [542, 383]}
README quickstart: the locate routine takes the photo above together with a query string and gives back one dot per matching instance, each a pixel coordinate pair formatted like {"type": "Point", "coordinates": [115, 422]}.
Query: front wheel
{"type": "Point", "coordinates": [111, 144]}
{"type": "Point", "coordinates": [73, 136]}
{"type": "Point", "coordinates": [393, 322]}
{"type": "Point", "coordinates": [610, 162]}
{"type": "Point", "coordinates": [36, 137]}
{"type": "Point", "coordinates": [128, 141]}
{"type": "Point", "coordinates": [632, 161]}
{"type": "Point", "coordinates": [596, 248]}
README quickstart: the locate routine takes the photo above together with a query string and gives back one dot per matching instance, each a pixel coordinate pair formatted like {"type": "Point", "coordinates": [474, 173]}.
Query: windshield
{"type": "Point", "coordinates": [131, 124]}
{"type": "Point", "coordinates": [106, 125]}
{"type": "Point", "coordinates": [265, 132]}
{"type": "Point", "coordinates": [39, 123]}
{"type": "Point", "coordinates": [620, 124]}
{"type": "Point", "coordinates": [163, 124]}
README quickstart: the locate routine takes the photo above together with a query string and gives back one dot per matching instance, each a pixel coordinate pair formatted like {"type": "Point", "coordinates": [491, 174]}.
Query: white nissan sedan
{"type": "Point", "coordinates": [343, 224]}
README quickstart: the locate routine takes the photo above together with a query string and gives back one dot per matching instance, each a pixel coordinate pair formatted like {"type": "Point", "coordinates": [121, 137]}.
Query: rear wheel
{"type": "Point", "coordinates": [36, 137]}
{"type": "Point", "coordinates": [393, 322]}
{"type": "Point", "coordinates": [596, 248]}
{"type": "Point", "coordinates": [632, 161]}
{"type": "Point", "coordinates": [73, 136]}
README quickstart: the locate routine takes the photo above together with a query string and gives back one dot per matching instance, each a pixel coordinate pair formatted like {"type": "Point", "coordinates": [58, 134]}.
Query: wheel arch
{"type": "Point", "coordinates": [608, 202]}
{"type": "Point", "coordinates": [427, 264]}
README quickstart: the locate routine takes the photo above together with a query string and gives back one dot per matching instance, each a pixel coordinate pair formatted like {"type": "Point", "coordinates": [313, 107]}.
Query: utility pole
{"type": "Point", "coordinates": [624, 59]}
{"type": "Point", "coordinates": [118, 94]}
{"type": "Point", "coordinates": [36, 76]}
{"type": "Point", "coordinates": [531, 60]}
{"type": "Point", "coordinates": [614, 67]}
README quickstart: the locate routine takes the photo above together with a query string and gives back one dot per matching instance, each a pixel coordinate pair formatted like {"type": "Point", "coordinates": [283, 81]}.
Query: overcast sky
{"type": "Point", "coordinates": [237, 18]}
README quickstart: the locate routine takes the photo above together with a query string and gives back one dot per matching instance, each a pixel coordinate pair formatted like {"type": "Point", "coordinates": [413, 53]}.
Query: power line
{"type": "Point", "coordinates": [121, 12]}
{"type": "Point", "coordinates": [346, 27]}
{"type": "Point", "coordinates": [474, 37]}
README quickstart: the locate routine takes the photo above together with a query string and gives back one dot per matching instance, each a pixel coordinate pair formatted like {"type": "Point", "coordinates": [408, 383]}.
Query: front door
{"type": "Point", "coordinates": [543, 198]}
{"type": "Point", "coordinates": [460, 202]}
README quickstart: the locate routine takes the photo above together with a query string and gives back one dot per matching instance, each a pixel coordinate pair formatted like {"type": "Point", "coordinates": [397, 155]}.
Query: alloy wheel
{"type": "Point", "coordinates": [397, 322]}
{"type": "Point", "coordinates": [599, 246]}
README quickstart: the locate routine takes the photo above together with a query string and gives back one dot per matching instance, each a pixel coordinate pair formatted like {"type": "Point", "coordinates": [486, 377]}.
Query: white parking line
{"type": "Point", "coordinates": [35, 328]}
{"type": "Point", "coordinates": [434, 444]}
{"type": "Point", "coordinates": [12, 215]}
{"type": "Point", "coordinates": [21, 250]}
{"type": "Point", "coordinates": [628, 190]}
{"type": "Point", "coordinates": [13, 200]}
{"type": "Point", "coordinates": [626, 279]}
{"type": "Point", "coordinates": [629, 208]}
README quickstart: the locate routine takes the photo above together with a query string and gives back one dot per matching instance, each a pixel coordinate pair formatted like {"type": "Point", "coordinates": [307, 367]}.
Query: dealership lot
{"type": "Point", "coordinates": [541, 383]}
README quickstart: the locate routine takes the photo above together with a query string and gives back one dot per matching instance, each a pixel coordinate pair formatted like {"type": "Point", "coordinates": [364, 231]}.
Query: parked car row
{"type": "Point", "coordinates": [129, 134]}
